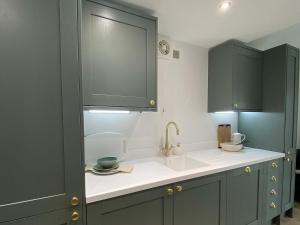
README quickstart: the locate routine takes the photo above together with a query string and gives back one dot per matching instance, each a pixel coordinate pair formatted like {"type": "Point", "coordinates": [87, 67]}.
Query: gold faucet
{"type": "Point", "coordinates": [166, 150]}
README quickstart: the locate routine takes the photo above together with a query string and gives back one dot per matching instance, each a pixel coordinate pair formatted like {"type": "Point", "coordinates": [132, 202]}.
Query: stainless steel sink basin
{"type": "Point", "coordinates": [182, 163]}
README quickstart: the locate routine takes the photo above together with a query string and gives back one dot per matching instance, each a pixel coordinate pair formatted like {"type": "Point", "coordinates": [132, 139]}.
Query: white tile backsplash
{"type": "Point", "coordinates": [182, 97]}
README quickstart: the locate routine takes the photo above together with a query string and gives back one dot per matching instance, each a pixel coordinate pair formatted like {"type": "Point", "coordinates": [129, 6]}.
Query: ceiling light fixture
{"type": "Point", "coordinates": [225, 5]}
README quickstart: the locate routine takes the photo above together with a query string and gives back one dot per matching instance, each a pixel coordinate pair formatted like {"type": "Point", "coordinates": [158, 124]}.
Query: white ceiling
{"type": "Point", "coordinates": [202, 23]}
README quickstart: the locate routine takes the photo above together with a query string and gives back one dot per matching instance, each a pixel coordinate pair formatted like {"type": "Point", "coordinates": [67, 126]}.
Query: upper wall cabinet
{"type": "Point", "coordinates": [234, 78]}
{"type": "Point", "coordinates": [118, 57]}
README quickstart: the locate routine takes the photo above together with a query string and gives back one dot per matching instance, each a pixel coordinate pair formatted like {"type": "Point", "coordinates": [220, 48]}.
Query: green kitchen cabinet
{"type": "Point", "coordinates": [118, 57]}
{"type": "Point", "coordinates": [245, 195]}
{"type": "Point", "coordinates": [41, 165]}
{"type": "Point", "coordinates": [289, 170]}
{"type": "Point", "coordinates": [200, 201]}
{"type": "Point", "coordinates": [234, 78]}
{"type": "Point", "coordinates": [193, 202]}
{"type": "Point", "coordinates": [273, 190]}
{"type": "Point", "coordinates": [147, 207]}
{"type": "Point", "coordinates": [57, 217]}
{"type": "Point", "coordinates": [275, 128]}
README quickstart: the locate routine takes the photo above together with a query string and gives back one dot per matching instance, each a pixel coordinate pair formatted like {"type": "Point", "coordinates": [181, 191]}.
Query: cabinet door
{"type": "Point", "coordinates": [247, 79]}
{"type": "Point", "coordinates": [152, 207]}
{"type": "Point", "coordinates": [40, 132]}
{"type": "Point", "coordinates": [119, 57]}
{"type": "Point", "coordinates": [288, 189]}
{"type": "Point", "coordinates": [60, 217]}
{"type": "Point", "coordinates": [291, 108]}
{"type": "Point", "coordinates": [201, 202]}
{"type": "Point", "coordinates": [244, 196]}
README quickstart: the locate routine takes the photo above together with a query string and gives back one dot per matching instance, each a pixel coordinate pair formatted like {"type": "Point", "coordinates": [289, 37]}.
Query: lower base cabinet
{"type": "Point", "coordinates": [245, 195]}
{"type": "Point", "coordinates": [200, 201]}
{"type": "Point", "coordinates": [151, 207]}
{"type": "Point", "coordinates": [235, 197]}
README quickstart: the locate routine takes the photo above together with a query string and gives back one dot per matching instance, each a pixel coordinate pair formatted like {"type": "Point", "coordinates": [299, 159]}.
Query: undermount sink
{"type": "Point", "coordinates": [182, 163]}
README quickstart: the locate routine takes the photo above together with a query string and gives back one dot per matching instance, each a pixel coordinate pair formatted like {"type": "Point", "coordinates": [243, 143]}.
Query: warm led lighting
{"type": "Point", "coordinates": [109, 111]}
{"type": "Point", "coordinates": [225, 5]}
{"type": "Point", "coordinates": [225, 112]}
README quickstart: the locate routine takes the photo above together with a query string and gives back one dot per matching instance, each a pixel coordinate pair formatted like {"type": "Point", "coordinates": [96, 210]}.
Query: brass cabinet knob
{"type": "Point", "coordinates": [273, 205]}
{"type": "Point", "coordinates": [178, 188]}
{"type": "Point", "coordinates": [248, 169]}
{"type": "Point", "coordinates": [274, 178]}
{"type": "Point", "coordinates": [273, 192]}
{"type": "Point", "coordinates": [235, 105]}
{"type": "Point", "coordinates": [274, 165]}
{"type": "Point", "coordinates": [74, 201]}
{"type": "Point", "coordinates": [288, 159]}
{"type": "Point", "coordinates": [169, 191]}
{"type": "Point", "coordinates": [285, 158]}
{"type": "Point", "coordinates": [75, 216]}
{"type": "Point", "coordinates": [288, 152]}
{"type": "Point", "coordinates": [152, 102]}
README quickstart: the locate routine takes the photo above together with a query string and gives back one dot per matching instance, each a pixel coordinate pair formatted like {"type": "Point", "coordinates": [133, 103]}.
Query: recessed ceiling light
{"type": "Point", "coordinates": [225, 5]}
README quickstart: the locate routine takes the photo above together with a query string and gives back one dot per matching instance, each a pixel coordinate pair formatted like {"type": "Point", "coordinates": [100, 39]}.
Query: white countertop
{"type": "Point", "coordinates": [149, 173]}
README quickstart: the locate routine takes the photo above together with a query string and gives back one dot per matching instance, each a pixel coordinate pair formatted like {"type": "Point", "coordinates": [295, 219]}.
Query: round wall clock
{"type": "Point", "coordinates": [164, 47]}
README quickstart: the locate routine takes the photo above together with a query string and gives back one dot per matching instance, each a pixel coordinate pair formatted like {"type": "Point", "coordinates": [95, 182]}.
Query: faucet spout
{"type": "Point", "coordinates": [167, 148]}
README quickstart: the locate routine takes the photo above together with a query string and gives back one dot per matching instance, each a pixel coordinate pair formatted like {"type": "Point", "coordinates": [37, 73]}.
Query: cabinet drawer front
{"type": "Point", "coordinates": [273, 189]}
{"type": "Point", "coordinates": [273, 208]}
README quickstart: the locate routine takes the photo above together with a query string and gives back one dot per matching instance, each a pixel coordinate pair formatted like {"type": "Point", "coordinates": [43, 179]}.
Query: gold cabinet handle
{"type": "Point", "coordinates": [248, 169]}
{"type": "Point", "coordinates": [178, 188]}
{"type": "Point", "coordinates": [74, 201]}
{"type": "Point", "coordinates": [152, 102]}
{"type": "Point", "coordinates": [75, 216]}
{"type": "Point", "coordinates": [235, 105]}
{"type": "Point", "coordinates": [170, 191]}
{"type": "Point", "coordinates": [274, 178]}
{"type": "Point", "coordinates": [273, 205]}
{"type": "Point", "coordinates": [274, 165]}
{"type": "Point", "coordinates": [273, 192]}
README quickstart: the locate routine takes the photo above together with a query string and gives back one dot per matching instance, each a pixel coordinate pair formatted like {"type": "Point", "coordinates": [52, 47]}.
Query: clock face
{"type": "Point", "coordinates": [164, 47]}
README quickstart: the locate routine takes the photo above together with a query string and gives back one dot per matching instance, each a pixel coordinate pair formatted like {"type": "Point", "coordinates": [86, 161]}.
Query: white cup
{"type": "Point", "coordinates": [238, 138]}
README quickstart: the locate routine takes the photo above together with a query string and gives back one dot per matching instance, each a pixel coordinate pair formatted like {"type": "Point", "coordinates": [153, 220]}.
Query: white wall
{"type": "Point", "coordinates": [290, 36]}
{"type": "Point", "coordinates": [182, 97]}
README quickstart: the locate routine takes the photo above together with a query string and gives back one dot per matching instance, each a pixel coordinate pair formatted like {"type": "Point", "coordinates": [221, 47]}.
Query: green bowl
{"type": "Point", "coordinates": [107, 162]}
